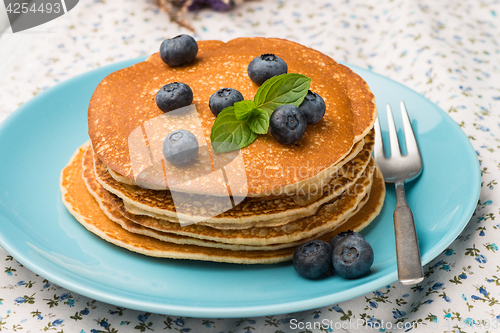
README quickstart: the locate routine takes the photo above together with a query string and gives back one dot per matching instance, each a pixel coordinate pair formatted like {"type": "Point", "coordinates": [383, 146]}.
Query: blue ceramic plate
{"type": "Point", "coordinates": [37, 141]}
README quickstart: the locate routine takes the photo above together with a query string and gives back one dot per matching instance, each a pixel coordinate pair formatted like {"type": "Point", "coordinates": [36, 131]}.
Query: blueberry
{"type": "Point", "coordinates": [352, 256]}
{"type": "Point", "coordinates": [265, 67]}
{"type": "Point", "coordinates": [173, 96]}
{"type": "Point", "coordinates": [223, 98]}
{"type": "Point", "coordinates": [313, 107]}
{"type": "Point", "coordinates": [287, 124]}
{"type": "Point", "coordinates": [180, 147]}
{"type": "Point", "coordinates": [178, 51]}
{"type": "Point", "coordinates": [337, 238]}
{"type": "Point", "coordinates": [313, 258]}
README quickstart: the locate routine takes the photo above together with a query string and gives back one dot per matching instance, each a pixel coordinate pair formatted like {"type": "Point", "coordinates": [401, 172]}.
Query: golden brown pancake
{"type": "Point", "coordinates": [248, 213]}
{"type": "Point", "coordinates": [87, 211]}
{"type": "Point", "coordinates": [125, 100]}
{"type": "Point", "coordinates": [328, 217]}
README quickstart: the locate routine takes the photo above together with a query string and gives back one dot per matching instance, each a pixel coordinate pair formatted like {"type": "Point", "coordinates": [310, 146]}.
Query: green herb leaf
{"type": "Point", "coordinates": [229, 133]}
{"type": "Point", "coordinates": [283, 89]}
{"type": "Point", "coordinates": [258, 121]}
{"type": "Point", "coordinates": [243, 109]}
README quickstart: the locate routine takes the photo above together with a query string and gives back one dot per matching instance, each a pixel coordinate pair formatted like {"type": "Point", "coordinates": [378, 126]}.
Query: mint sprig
{"type": "Point", "coordinates": [237, 126]}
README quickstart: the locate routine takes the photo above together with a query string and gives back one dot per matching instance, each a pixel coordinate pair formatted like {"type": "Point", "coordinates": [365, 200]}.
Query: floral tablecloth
{"type": "Point", "coordinates": [446, 50]}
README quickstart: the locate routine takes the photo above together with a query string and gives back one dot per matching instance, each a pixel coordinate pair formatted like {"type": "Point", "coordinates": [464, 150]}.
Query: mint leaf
{"type": "Point", "coordinates": [243, 109]}
{"type": "Point", "coordinates": [229, 133]}
{"type": "Point", "coordinates": [283, 89]}
{"type": "Point", "coordinates": [258, 121]}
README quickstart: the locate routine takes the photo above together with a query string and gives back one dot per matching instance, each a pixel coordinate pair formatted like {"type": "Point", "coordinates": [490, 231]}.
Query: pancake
{"type": "Point", "coordinates": [124, 102]}
{"type": "Point", "coordinates": [329, 216]}
{"type": "Point", "coordinates": [86, 210]}
{"type": "Point", "coordinates": [249, 213]}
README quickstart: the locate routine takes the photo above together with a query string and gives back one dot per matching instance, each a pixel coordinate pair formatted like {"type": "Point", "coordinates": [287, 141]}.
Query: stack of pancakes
{"type": "Point", "coordinates": [123, 189]}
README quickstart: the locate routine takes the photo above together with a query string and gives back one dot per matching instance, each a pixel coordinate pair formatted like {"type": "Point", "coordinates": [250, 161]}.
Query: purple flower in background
{"type": "Point", "coordinates": [217, 5]}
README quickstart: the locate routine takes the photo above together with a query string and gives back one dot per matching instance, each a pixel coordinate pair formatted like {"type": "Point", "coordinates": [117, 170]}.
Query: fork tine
{"type": "Point", "coordinates": [411, 141]}
{"type": "Point", "coordinates": [393, 135]}
{"type": "Point", "coordinates": [378, 149]}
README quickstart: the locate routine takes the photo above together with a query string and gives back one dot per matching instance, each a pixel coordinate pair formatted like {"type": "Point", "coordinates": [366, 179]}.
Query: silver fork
{"type": "Point", "coordinates": [399, 169]}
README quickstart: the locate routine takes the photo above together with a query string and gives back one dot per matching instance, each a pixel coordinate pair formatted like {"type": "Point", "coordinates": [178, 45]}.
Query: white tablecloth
{"type": "Point", "coordinates": [446, 50]}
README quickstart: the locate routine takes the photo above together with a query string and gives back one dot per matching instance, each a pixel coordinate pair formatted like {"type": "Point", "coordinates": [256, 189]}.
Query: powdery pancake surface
{"type": "Point", "coordinates": [125, 100]}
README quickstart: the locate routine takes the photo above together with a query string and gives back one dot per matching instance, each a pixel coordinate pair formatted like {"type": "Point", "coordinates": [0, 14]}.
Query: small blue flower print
{"type": "Point", "coordinates": [179, 322]}
{"type": "Point", "coordinates": [377, 293]}
{"type": "Point", "coordinates": [398, 314]}
{"type": "Point", "coordinates": [63, 296]}
{"type": "Point", "coordinates": [20, 300]}
{"type": "Point", "coordinates": [85, 312]}
{"type": "Point", "coordinates": [445, 267]}
{"type": "Point", "coordinates": [437, 286]}
{"type": "Point", "coordinates": [406, 295]}
{"type": "Point", "coordinates": [46, 285]}
{"type": "Point", "coordinates": [372, 321]}
{"type": "Point", "coordinates": [483, 291]}
{"type": "Point", "coordinates": [373, 304]}
{"type": "Point", "coordinates": [21, 283]}
{"type": "Point", "coordinates": [57, 322]}
{"type": "Point", "coordinates": [142, 317]}
{"type": "Point", "coordinates": [474, 297]}
{"type": "Point", "coordinates": [439, 263]}
{"type": "Point", "coordinates": [336, 308]}
{"type": "Point", "coordinates": [447, 299]}
{"type": "Point", "coordinates": [71, 302]}
{"type": "Point", "coordinates": [463, 276]}
{"type": "Point", "coordinates": [429, 301]}
{"type": "Point", "coordinates": [482, 233]}
{"type": "Point", "coordinates": [449, 252]}
{"type": "Point", "coordinates": [481, 259]}
{"type": "Point", "coordinates": [285, 320]}
{"type": "Point", "coordinates": [104, 324]}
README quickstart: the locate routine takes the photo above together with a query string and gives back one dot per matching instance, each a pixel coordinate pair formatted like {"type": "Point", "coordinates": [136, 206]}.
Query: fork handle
{"type": "Point", "coordinates": [407, 251]}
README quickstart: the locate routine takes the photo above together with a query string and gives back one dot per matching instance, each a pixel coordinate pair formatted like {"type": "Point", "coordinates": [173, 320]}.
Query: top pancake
{"type": "Point", "coordinates": [125, 100]}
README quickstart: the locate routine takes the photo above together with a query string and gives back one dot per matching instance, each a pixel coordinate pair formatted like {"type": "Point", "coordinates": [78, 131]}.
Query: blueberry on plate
{"type": "Point", "coordinates": [352, 257]}
{"type": "Point", "coordinates": [174, 96]}
{"type": "Point", "coordinates": [338, 237]}
{"type": "Point", "coordinates": [313, 258]}
{"type": "Point", "coordinates": [178, 51]}
{"type": "Point", "coordinates": [265, 67]}
{"type": "Point", "coordinates": [287, 124]}
{"type": "Point", "coordinates": [313, 107]}
{"type": "Point", "coordinates": [223, 98]}
{"type": "Point", "coordinates": [180, 147]}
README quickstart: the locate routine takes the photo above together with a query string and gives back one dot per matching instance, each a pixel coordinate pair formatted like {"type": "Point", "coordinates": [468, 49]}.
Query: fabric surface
{"type": "Point", "coordinates": [447, 51]}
